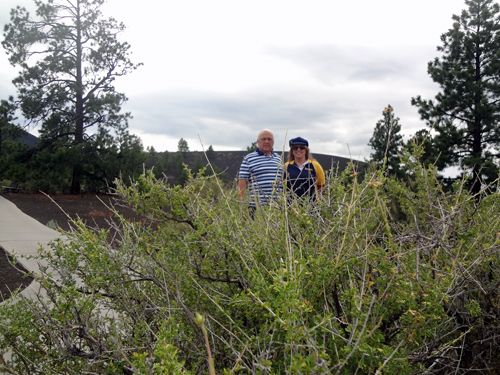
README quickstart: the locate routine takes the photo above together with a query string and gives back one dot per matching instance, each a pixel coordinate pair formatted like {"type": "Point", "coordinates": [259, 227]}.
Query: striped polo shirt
{"type": "Point", "coordinates": [263, 174]}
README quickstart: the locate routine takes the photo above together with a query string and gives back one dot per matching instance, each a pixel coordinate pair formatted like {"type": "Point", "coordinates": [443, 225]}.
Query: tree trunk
{"type": "Point", "coordinates": [476, 154]}
{"type": "Point", "coordinates": [75, 184]}
{"type": "Point", "coordinates": [477, 131]}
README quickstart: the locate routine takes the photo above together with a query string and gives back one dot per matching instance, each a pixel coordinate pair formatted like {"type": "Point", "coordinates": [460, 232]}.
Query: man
{"type": "Point", "coordinates": [260, 171]}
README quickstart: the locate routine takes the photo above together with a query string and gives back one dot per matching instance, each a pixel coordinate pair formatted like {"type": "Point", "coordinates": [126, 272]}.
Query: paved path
{"type": "Point", "coordinates": [22, 235]}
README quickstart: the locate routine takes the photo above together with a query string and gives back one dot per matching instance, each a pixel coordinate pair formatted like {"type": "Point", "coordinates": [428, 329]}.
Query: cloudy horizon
{"type": "Point", "coordinates": [222, 71]}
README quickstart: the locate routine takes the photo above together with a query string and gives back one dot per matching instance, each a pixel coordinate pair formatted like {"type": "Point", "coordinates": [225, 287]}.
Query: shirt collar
{"type": "Point", "coordinates": [260, 153]}
{"type": "Point", "coordinates": [307, 161]}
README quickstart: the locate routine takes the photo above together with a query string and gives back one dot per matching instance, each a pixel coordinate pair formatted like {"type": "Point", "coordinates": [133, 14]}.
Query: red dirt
{"type": "Point", "coordinates": [92, 209]}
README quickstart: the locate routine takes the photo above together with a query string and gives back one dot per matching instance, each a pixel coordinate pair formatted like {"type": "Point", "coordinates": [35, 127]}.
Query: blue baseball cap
{"type": "Point", "coordinates": [298, 141]}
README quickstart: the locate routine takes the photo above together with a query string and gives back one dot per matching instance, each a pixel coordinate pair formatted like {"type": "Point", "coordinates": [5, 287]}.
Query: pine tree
{"type": "Point", "coordinates": [386, 142]}
{"type": "Point", "coordinates": [69, 56]}
{"type": "Point", "coordinates": [111, 156]}
{"type": "Point", "coordinates": [152, 151]}
{"type": "Point", "coordinates": [182, 146]}
{"type": "Point", "coordinates": [198, 164]}
{"type": "Point", "coordinates": [252, 147]}
{"type": "Point", "coordinates": [183, 177]}
{"type": "Point", "coordinates": [466, 112]}
{"type": "Point", "coordinates": [179, 162]}
{"type": "Point", "coordinates": [10, 150]}
{"type": "Point", "coordinates": [159, 168]}
{"type": "Point", "coordinates": [8, 129]}
{"type": "Point", "coordinates": [429, 154]}
{"type": "Point", "coordinates": [167, 159]}
{"type": "Point", "coordinates": [210, 153]}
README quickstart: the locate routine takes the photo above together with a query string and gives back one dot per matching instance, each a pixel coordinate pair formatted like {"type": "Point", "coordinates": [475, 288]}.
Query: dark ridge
{"type": "Point", "coordinates": [230, 161]}
{"type": "Point", "coordinates": [26, 138]}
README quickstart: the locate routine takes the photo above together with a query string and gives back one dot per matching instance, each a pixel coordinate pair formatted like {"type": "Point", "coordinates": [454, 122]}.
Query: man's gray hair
{"type": "Point", "coordinates": [265, 130]}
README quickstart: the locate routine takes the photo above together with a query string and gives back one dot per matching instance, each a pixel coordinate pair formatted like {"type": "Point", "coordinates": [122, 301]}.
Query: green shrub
{"type": "Point", "coordinates": [381, 276]}
{"type": "Point", "coordinates": [5, 182]}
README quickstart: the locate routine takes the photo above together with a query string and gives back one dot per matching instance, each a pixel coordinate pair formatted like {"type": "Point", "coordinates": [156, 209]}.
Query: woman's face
{"type": "Point", "coordinates": [299, 151]}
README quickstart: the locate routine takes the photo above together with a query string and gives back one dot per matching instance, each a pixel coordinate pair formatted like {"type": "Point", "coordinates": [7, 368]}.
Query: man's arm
{"type": "Point", "coordinates": [242, 187]}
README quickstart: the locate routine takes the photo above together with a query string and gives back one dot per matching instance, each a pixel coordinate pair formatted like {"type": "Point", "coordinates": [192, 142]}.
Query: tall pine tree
{"type": "Point", "coordinates": [386, 142]}
{"type": "Point", "coordinates": [466, 112]}
{"type": "Point", "coordinates": [69, 55]}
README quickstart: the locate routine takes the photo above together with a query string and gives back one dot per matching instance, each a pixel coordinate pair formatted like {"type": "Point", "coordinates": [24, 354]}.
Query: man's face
{"type": "Point", "coordinates": [265, 142]}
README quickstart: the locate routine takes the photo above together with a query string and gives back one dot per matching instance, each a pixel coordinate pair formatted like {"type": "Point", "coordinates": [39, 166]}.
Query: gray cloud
{"type": "Point", "coordinates": [338, 64]}
{"type": "Point", "coordinates": [337, 115]}
{"type": "Point", "coordinates": [329, 120]}
{"type": "Point", "coordinates": [223, 119]}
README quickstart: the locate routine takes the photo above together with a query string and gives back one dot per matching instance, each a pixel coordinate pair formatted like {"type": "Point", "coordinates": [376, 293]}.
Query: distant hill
{"type": "Point", "coordinates": [230, 162]}
{"type": "Point", "coordinates": [28, 139]}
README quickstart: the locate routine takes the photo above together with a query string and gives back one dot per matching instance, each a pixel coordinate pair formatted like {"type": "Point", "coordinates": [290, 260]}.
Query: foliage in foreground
{"type": "Point", "coordinates": [381, 277]}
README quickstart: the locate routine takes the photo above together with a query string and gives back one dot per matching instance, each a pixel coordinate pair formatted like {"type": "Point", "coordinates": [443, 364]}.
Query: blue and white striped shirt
{"type": "Point", "coordinates": [263, 174]}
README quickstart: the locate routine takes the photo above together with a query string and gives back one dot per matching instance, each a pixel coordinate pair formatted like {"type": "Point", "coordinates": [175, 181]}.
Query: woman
{"type": "Point", "coordinates": [304, 175]}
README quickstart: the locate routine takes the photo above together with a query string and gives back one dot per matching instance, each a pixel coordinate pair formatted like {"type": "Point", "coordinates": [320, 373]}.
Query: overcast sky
{"type": "Point", "coordinates": [224, 70]}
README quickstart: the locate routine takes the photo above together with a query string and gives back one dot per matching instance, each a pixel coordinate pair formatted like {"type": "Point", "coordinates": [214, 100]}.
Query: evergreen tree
{"type": "Point", "coordinates": [183, 177]}
{"type": "Point", "coordinates": [182, 146]}
{"type": "Point", "coordinates": [50, 170]}
{"type": "Point", "coordinates": [466, 112]}
{"type": "Point", "coordinates": [110, 155]}
{"type": "Point", "coordinates": [113, 156]}
{"type": "Point", "coordinates": [179, 160]}
{"type": "Point", "coordinates": [167, 159]}
{"type": "Point", "coordinates": [210, 153]}
{"type": "Point", "coordinates": [198, 164]}
{"type": "Point", "coordinates": [70, 56]}
{"type": "Point", "coordinates": [386, 142]}
{"type": "Point", "coordinates": [430, 155]}
{"type": "Point", "coordinates": [11, 151]}
{"type": "Point", "coordinates": [151, 150]}
{"type": "Point", "coordinates": [8, 130]}
{"type": "Point", "coordinates": [252, 147]}
{"type": "Point", "coordinates": [159, 168]}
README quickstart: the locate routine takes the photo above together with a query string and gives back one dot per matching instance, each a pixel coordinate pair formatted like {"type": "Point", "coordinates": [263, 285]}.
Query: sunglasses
{"type": "Point", "coordinates": [298, 148]}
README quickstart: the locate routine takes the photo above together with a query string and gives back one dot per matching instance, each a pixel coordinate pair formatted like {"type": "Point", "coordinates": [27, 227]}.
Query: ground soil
{"type": "Point", "coordinates": [94, 210]}
{"type": "Point", "coordinates": [11, 276]}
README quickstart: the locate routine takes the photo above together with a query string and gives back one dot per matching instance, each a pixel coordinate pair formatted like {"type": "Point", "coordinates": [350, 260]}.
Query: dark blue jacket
{"type": "Point", "coordinates": [305, 181]}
